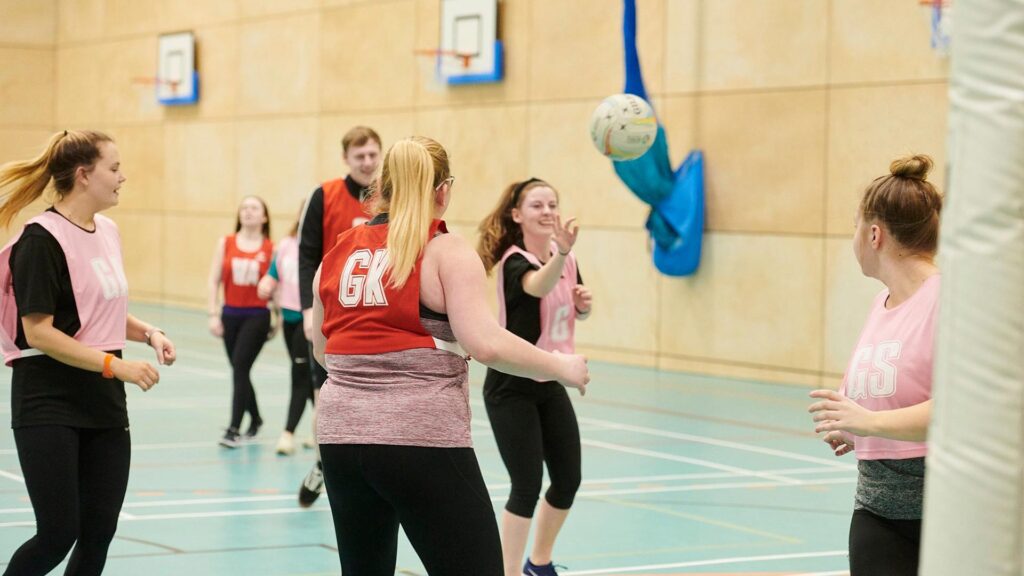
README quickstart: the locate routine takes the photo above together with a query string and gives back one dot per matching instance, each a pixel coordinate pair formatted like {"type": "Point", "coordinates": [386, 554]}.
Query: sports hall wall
{"type": "Point", "coordinates": [796, 103]}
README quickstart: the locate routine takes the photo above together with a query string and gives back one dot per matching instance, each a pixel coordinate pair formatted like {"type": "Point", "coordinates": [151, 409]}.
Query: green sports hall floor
{"type": "Point", "coordinates": [682, 474]}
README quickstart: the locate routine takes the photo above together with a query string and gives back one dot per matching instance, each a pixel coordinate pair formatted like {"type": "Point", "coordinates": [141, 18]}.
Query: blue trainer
{"type": "Point", "coordinates": [531, 569]}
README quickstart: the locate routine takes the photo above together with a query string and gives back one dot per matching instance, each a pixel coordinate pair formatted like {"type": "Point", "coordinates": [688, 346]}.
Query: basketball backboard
{"type": "Point", "coordinates": [470, 52]}
{"type": "Point", "coordinates": [177, 79]}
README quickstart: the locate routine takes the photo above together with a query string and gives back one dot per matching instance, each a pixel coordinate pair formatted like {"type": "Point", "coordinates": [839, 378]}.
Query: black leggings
{"type": "Point", "coordinates": [436, 494]}
{"type": "Point", "coordinates": [244, 337]}
{"type": "Point", "coordinates": [532, 430]}
{"type": "Point", "coordinates": [883, 547]}
{"type": "Point", "coordinates": [302, 391]}
{"type": "Point", "coordinates": [76, 479]}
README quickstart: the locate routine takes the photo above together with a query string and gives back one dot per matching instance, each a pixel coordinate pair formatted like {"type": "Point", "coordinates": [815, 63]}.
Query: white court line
{"type": "Point", "coordinates": [836, 573]}
{"type": "Point", "coordinates": [608, 424]}
{"type": "Point", "coordinates": [673, 458]}
{"type": "Point", "coordinates": [296, 510]}
{"type": "Point", "coordinates": [690, 476]}
{"type": "Point", "coordinates": [12, 476]}
{"type": "Point", "coordinates": [712, 562]}
{"type": "Point", "coordinates": [686, 460]}
{"type": "Point", "coordinates": [717, 442]}
{"type": "Point", "coordinates": [194, 515]}
{"type": "Point", "coordinates": [705, 487]}
{"type": "Point", "coordinates": [496, 487]}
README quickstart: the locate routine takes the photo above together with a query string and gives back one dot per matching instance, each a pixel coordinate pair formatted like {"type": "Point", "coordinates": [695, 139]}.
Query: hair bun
{"type": "Point", "coordinates": [915, 167]}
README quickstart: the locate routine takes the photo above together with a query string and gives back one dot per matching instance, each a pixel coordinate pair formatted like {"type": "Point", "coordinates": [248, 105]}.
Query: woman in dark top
{"type": "Point", "coordinates": [64, 326]}
{"type": "Point", "coordinates": [540, 296]}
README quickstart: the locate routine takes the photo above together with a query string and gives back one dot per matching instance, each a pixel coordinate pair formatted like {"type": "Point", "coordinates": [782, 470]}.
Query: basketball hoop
{"type": "Point", "coordinates": [158, 82]}
{"type": "Point", "coordinates": [464, 57]}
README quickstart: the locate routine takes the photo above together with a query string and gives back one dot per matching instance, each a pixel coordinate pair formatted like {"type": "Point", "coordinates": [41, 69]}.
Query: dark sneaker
{"type": "Point", "coordinates": [312, 486]}
{"type": "Point", "coordinates": [231, 439]}
{"type": "Point", "coordinates": [531, 569]}
{"type": "Point", "coordinates": [254, 429]}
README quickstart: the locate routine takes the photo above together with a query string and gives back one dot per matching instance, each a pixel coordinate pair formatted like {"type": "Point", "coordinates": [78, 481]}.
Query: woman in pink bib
{"type": "Point", "coordinates": [540, 296]}
{"type": "Point", "coordinates": [63, 325]}
{"type": "Point", "coordinates": [281, 282]}
{"type": "Point", "coordinates": [883, 407]}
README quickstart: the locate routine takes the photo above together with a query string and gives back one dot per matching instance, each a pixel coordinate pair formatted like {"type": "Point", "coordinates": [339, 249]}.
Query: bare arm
{"type": "Point", "coordinates": [213, 291]}
{"type": "Point", "coordinates": [464, 283]}
{"type": "Point", "coordinates": [319, 341]}
{"type": "Point", "coordinates": [538, 283]}
{"type": "Point", "coordinates": [41, 335]}
{"type": "Point", "coordinates": [836, 412]}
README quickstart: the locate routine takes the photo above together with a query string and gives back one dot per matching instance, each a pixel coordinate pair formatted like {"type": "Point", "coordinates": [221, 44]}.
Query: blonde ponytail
{"type": "Point", "coordinates": [64, 154]}
{"type": "Point", "coordinates": [407, 187]}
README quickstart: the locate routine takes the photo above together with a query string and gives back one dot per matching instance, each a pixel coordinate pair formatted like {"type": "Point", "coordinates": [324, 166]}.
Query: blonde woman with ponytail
{"type": "Point", "coordinates": [399, 308]}
{"type": "Point", "coordinates": [883, 408]}
{"type": "Point", "coordinates": [63, 325]}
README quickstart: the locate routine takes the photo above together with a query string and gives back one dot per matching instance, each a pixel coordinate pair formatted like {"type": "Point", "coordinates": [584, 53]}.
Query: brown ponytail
{"type": "Point", "coordinates": [64, 154]}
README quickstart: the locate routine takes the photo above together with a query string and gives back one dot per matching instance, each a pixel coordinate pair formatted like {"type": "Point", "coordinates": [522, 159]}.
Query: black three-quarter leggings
{"type": "Point", "coordinates": [302, 391]}
{"type": "Point", "coordinates": [531, 430]}
{"type": "Point", "coordinates": [76, 479]}
{"type": "Point", "coordinates": [883, 547]}
{"type": "Point", "coordinates": [244, 337]}
{"type": "Point", "coordinates": [436, 494]}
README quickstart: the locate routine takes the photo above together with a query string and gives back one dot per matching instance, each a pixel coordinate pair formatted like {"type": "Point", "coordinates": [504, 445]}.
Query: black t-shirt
{"type": "Point", "coordinates": [522, 318]}
{"type": "Point", "coordinates": [45, 391]}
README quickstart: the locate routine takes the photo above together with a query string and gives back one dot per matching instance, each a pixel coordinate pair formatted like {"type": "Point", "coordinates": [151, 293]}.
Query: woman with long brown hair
{"type": "Point", "coordinates": [244, 321]}
{"type": "Point", "coordinates": [64, 319]}
{"type": "Point", "coordinates": [540, 297]}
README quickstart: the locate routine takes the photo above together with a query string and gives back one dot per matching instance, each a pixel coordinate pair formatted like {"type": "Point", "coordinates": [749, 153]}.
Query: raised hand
{"type": "Point", "coordinates": [565, 233]}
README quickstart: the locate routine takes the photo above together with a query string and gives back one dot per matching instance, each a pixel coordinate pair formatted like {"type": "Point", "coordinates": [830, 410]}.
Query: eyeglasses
{"type": "Point", "coordinates": [450, 181]}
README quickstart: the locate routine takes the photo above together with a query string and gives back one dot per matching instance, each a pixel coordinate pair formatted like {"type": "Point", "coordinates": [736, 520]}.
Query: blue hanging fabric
{"type": "Point", "coordinates": [682, 213]}
{"type": "Point", "coordinates": [676, 222]}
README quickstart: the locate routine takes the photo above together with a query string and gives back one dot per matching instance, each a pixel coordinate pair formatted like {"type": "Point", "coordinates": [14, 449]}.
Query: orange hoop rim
{"type": "Point", "coordinates": [465, 57]}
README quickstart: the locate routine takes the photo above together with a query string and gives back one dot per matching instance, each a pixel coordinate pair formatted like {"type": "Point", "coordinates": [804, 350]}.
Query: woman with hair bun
{"type": "Point", "coordinates": [883, 407]}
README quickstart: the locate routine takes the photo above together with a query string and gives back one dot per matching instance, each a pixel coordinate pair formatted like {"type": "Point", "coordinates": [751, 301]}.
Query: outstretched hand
{"type": "Point", "coordinates": [565, 233]}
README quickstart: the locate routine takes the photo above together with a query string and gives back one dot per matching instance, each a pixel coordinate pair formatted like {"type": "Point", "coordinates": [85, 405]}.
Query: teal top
{"type": "Point", "coordinates": [289, 316]}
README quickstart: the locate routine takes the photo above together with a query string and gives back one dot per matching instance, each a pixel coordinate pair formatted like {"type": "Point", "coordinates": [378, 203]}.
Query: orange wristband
{"type": "Point", "coordinates": [107, 372]}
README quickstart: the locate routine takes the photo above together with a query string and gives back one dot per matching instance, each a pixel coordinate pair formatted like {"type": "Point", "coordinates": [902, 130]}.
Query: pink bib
{"type": "Point", "coordinates": [288, 273]}
{"type": "Point", "coordinates": [557, 309]}
{"type": "Point", "coordinates": [97, 279]}
{"type": "Point", "coordinates": [891, 366]}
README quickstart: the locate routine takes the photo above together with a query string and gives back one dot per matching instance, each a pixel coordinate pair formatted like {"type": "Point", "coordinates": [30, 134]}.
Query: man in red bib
{"type": "Point", "coordinates": [336, 206]}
